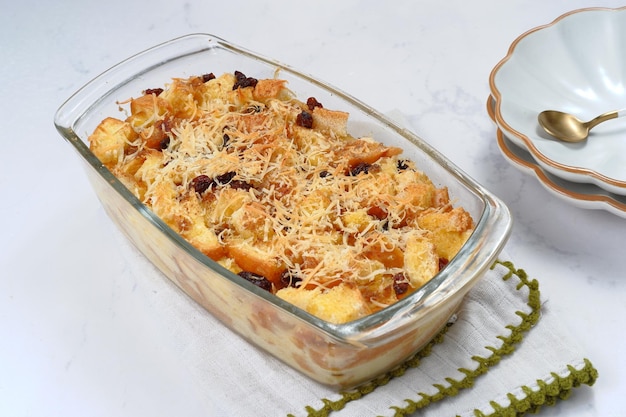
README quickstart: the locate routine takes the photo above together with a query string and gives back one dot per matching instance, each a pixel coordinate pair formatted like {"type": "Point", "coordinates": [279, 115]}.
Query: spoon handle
{"type": "Point", "coordinates": [606, 116]}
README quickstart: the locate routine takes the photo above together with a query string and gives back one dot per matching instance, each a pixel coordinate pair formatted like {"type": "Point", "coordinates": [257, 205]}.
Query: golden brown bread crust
{"type": "Point", "coordinates": [271, 186]}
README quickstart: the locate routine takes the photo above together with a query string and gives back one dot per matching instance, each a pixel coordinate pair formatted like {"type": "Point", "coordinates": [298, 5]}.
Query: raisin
{"type": "Point", "coordinates": [442, 263]}
{"type": "Point", "coordinates": [258, 280]}
{"type": "Point", "coordinates": [164, 143]}
{"type": "Point", "coordinates": [402, 165]}
{"type": "Point", "coordinates": [287, 279]}
{"type": "Point", "coordinates": [155, 91]}
{"type": "Point", "coordinates": [239, 76]}
{"type": "Point", "coordinates": [225, 140]}
{"type": "Point", "coordinates": [305, 119]}
{"type": "Point", "coordinates": [240, 185]}
{"type": "Point", "coordinates": [400, 284]}
{"type": "Point", "coordinates": [361, 167]}
{"type": "Point", "coordinates": [324, 174]}
{"type": "Point", "coordinates": [312, 103]}
{"type": "Point", "coordinates": [201, 183]}
{"type": "Point", "coordinates": [225, 178]}
{"type": "Point", "coordinates": [208, 77]}
{"type": "Point", "coordinates": [241, 81]}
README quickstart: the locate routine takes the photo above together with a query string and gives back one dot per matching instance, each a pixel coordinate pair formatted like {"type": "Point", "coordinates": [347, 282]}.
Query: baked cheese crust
{"type": "Point", "coordinates": [276, 190]}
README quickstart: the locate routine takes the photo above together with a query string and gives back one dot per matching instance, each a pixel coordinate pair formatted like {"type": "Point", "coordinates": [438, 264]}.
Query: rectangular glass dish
{"type": "Point", "coordinates": [338, 355]}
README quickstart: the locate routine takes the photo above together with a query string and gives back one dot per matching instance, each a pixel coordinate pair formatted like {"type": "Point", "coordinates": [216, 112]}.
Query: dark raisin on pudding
{"type": "Point", "coordinates": [400, 283]}
{"type": "Point", "coordinates": [225, 178]}
{"type": "Point", "coordinates": [242, 81]}
{"type": "Point", "coordinates": [312, 103]}
{"type": "Point", "coordinates": [359, 168]}
{"type": "Point", "coordinates": [201, 183]}
{"type": "Point", "coordinates": [287, 279]}
{"type": "Point", "coordinates": [258, 280]}
{"type": "Point", "coordinates": [208, 77]}
{"type": "Point", "coordinates": [305, 119]}
{"type": "Point", "coordinates": [155, 91]}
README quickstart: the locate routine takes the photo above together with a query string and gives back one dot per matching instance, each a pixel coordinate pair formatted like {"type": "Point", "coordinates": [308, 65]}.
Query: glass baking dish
{"type": "Point", "coordinates": [338, 355]}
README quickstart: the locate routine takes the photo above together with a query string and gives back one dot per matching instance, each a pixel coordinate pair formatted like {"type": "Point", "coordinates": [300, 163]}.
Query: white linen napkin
{"type": "Point", "coordinates": [504, 351]}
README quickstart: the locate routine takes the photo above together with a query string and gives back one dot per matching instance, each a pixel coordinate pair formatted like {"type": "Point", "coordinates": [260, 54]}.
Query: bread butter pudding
{"type": "Point", "coordinates": [276, 190]}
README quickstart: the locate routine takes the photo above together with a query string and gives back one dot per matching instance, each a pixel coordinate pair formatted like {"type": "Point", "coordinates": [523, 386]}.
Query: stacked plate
{"type": "Point", "coordinates": [576, 64]}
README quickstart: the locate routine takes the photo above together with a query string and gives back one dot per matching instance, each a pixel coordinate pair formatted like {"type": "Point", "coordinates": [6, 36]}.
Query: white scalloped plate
{"type": "Point", "coordinates": [587, 196]}
{"type": "Point", "coordinates": [575, 64]}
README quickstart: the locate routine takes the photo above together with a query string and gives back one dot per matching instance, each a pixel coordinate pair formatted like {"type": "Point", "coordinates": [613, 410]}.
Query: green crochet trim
{"type": "Point", "coordinates": [548, 394]}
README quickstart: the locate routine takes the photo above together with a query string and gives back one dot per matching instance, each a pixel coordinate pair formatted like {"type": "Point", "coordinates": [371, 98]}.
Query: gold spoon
{"type": "Point", "coordinates": [568, 128]}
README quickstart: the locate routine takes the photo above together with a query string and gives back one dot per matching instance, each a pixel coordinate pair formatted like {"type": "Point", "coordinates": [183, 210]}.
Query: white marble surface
{"type": "Point", "coordinates": [74, 338]}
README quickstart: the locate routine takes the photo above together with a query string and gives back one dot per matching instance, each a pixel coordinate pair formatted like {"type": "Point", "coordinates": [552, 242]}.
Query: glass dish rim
{"type": "Point", "coordinates": [495, 217]}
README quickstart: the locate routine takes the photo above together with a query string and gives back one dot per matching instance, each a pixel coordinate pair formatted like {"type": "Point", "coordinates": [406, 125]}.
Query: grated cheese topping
{"type": "Point", "coordinates": [278, 190]}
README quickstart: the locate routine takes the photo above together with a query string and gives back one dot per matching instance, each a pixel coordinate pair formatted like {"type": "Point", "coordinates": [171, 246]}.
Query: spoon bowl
{"type": "Point", "coordinates": [569, 128]}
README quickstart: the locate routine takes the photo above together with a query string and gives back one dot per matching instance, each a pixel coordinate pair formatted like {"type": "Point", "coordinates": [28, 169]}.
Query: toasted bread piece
{"type": "Point", "coordinates": [269, 88]}
{"type": "Point", "coordinates": [257, 258]}
{"type": "Point", "coordinates": [421, 261]}
{"type": "Point", "coordinates": [330, 121]}
{"type": "Point", "coordinates": [450, 230]}
{"type": "Point", "coordinates": [339, 304]}
{"type": "Point", "coordinates": [110, 140]}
